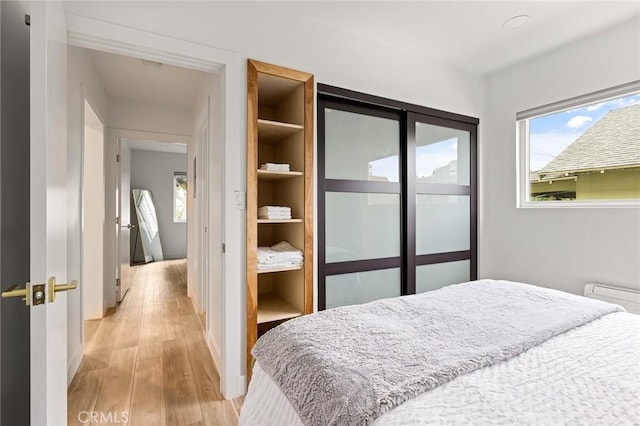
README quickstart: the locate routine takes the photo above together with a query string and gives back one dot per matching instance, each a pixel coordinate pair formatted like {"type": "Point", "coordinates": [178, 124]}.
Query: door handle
{"type": "Point", "coordinates": [54, 288]}
{"type": "Point", "coordinates": [31, 294]}
{"type": "Point", "coordinates": [129, 226]}
{"type": "Point", "coordinates": [14, 291]}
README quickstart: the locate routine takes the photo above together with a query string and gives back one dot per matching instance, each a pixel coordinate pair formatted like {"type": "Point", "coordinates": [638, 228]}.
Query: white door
{"type": "Point", "coordinates": [126, 228]}
{"type": "Point", "coordinates": [48, 222]}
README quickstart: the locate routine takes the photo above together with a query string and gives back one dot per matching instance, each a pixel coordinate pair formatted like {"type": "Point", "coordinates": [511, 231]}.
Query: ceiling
{"type": "Point", "coordinates": [130, 78]}
{"type": "Point", "coordinates": [468, 35]}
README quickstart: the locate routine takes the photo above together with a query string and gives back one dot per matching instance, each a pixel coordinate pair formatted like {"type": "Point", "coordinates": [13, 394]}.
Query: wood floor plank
{"type": "Point", "coordinates": [181, 398]}
{"type": "Point", "coordinates": [90, 329]}
{"type": "Point", "coordinates": [82, 395]}
{"type": "Point", "coordinates": [95, 357]}
{"type": "Point", "coordinates": [147, 401]}
{"type": "Point", "coordinates": [149, 358]}
{"type": "Point", "coordinates": [207, 384]}
{"type": "Point", "coordinates": [115, 392]}
{"type": "Point", "coordinates": [130, 330]}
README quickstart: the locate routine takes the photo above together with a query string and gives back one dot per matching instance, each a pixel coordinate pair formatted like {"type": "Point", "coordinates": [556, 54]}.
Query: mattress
{"type": "Point", "coordinates": [588, 375]}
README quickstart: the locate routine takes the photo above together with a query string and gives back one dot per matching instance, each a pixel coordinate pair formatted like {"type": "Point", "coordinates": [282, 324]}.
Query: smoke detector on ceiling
{"type": "Point", "coordinates": [516, 22]}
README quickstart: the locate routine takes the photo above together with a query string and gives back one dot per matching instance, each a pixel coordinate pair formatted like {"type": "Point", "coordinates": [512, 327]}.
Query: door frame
{"type": "Point", "coordinates": [104, 36]}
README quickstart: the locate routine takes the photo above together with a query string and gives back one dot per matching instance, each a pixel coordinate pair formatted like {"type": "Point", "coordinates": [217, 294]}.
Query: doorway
{"type": "Point", "coordinates": [155, 111]}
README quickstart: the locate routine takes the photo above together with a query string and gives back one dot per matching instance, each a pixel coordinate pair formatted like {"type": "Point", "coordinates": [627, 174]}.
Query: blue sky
{"type": "Point", "coordinates": [550, 134]}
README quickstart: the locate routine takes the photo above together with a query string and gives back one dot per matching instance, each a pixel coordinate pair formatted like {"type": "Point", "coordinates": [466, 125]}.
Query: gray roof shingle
{"type": "Point", "coordinates": [613, 141]}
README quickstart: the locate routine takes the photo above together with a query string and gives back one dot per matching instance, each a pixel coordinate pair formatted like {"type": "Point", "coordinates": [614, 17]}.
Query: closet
{"type": "Point", "coordinates": [279, 197]}
{"type": "Point", "coordinates": [396, 198]}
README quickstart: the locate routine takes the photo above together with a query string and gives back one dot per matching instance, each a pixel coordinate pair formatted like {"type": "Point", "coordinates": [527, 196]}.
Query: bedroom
{"type": "Point", "coordinates": [559, 248]}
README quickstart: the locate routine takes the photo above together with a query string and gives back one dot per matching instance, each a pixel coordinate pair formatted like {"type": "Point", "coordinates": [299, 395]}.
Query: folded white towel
{"type": "Point", "coordinates": [281, 254]}
{"type": "Point", "coordinates": [274, 212]}
{"type": "Point", "coordinates": [275, 167]}
{"type": "Point", "coordinates": [274, 209]}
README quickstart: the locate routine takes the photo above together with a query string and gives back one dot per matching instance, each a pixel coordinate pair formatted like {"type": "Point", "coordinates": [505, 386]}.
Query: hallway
{"type": "Point", "coordinates": [147, 361]}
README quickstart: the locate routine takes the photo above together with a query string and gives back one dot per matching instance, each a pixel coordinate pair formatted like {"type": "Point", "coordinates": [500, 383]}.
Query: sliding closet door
{"type": "Point", "coordinates": [441, 179]}
{"type": "Point", "coordinates": [360, 203]}
{"type": "Point", "coordinates": [396, 198]}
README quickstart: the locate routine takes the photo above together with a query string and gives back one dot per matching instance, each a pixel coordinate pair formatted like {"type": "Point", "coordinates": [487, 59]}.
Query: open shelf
{"type": "Point", "coordinates": [280, 121]}
{"type": "Point", "coordinates": [271, 307]}
{"type": "Point", "coordinates": [271, 175]}
{"type": "Point", "coordinates": [271, 271]}
{"type": "Point", "coordinates": [279, 220]}
{"type": "Point", "coordinates": [273, 131]}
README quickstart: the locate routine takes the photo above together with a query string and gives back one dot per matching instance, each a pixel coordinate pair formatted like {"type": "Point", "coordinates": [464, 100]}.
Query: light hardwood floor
{"type": "Point", "coordinates": [148, 358]}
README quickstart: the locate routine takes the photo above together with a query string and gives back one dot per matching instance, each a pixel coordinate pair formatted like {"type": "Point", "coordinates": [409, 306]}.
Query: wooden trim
{"type": "Point", "coordinates": [252, 211]}
{"type": "Point", "coordinates": [289, 73]}
{"type": "Point", "coordinates": [262, 132]}
{"type": "Point", "coordinates": [272, 175]}
{"type": "Point", "coordinates": [309, 88]}
{"type": "Point", "coordinates": [279, 221]}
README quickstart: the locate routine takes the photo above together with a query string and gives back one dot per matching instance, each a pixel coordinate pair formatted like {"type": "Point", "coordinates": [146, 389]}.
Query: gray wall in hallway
{"type": "Point", "coordinates": [154, 171]}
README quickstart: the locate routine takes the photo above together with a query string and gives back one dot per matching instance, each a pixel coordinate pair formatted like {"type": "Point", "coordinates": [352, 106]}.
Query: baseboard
{"type": "Point", "coordinates": [215, 352]}
{"type": "Point", "coordinates": [74, 363]}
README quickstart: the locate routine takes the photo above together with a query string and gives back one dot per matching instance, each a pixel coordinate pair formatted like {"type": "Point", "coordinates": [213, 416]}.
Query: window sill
{"type": "Point", "coordinates": [579, 204]}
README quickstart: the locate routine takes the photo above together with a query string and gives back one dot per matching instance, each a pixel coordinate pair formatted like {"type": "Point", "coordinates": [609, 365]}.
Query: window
{"type": "Point", "coordinates": [582, 151]}
{"type": "Point", "coordinates": [179, 197]}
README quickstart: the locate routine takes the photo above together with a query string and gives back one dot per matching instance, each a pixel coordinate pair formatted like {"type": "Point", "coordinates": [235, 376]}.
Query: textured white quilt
{"type": "Point", "coordinates": [350, 365]}
{"type": "Point", "coordinates": [588, 375]}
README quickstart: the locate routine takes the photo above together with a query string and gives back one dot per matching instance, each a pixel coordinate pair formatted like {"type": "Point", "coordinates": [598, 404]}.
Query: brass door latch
{"type": "Point", "coordinates": [54, 288]}
{"type": "Point", "coordinates": [34, 294]}
{"type": "Point", "coordinates": [30, 294]}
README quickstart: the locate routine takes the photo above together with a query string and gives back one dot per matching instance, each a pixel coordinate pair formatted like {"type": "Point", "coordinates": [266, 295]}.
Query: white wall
{"type": "Point", "coordinates": [82, 81]}
{"type": "Point", "coordinates": [129, 114]}
{"type": "Point", "coordinates": [130, 118]}
{"type": "Point", "coordinates": [154, 171]}
{"type": "Point", "coordinates": [558, 248]}
{"type": "Point", "coordinates": [93, 221]}
{"type": "Point", "coordinates": [336, 57]}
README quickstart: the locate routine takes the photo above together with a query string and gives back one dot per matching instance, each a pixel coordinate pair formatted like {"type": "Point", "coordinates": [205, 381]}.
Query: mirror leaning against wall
{"type": "Point", "coordinates": [148, 232]}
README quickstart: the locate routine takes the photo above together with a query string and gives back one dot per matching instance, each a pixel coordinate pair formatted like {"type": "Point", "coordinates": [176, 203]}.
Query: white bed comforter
{"type": "Point", "coordinates": [588, 375]}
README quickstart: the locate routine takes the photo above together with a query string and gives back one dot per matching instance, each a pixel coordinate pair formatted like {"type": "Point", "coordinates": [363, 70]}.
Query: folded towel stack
{"type": "Point", "coordinates": [275, 167]}
{"type": "Point", "coordinates": [274, 213]}
{"type": "Point", "coordinates": [281, 255]}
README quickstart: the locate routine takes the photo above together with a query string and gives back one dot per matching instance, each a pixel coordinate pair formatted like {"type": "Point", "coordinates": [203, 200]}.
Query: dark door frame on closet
{"type": "Point", "coordinates": [407, 115]}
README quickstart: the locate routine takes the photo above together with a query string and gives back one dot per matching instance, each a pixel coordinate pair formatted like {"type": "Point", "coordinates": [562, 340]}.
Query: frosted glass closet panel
{"type": "Point", "coordinates": [362, 287]}
{"type": "Point", "coordinates": [361, 226]}
{"type": "Point", "coordinates": [433, 277]}
{"type": "Point", "coordinates": [442, 155]}
{"type": "Point", "coordinates": [442, 223]}
{"type": "Point", "coordinates": [361, 147]}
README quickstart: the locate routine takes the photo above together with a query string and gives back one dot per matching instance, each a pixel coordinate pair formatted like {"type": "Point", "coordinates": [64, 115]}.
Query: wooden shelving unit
{"type": "Point", "coordinates": [279, 130]}
{"type": "Point", "coordinates": [271, 175]}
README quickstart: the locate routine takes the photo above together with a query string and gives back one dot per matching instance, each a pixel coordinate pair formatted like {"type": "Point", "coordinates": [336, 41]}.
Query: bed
{"type": "Point", "coordinates": [483, 352]}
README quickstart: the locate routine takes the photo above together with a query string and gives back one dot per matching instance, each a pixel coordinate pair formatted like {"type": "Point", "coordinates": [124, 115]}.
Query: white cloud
{"type": "Point", "coordinates": [596, 107]}
{"type": "Point", "coordinates": [578, 121]}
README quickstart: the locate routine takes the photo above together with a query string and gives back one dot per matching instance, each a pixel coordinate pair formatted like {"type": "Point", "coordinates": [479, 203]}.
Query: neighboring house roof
{"type": "Point", "coordinates": [444, 174]}
{"type": "Point", "coordinates": [613, 141]}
